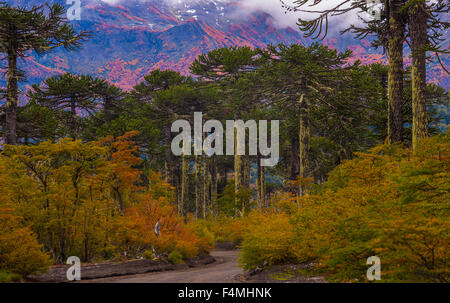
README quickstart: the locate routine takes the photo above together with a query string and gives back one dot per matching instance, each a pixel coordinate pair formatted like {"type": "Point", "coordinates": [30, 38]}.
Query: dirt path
{"type": "Point", "coordinates": [223, 270]}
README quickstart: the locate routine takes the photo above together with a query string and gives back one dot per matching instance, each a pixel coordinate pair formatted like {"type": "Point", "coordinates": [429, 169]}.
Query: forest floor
{"type": "Point", "coordinates": [225, 270]}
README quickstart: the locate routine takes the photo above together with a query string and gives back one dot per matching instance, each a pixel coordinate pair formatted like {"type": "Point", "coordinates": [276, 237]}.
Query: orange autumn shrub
{"type": "Point", "coordinates": [154, 209]}
{"type": "Point", "coordinates": [136, 230]}
{"type": "Point", "coordinates": [88, 200]}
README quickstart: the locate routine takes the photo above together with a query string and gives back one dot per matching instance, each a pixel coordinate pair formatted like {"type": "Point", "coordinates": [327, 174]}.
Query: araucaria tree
{"type": "Point", "coordinates": [390, 31]}
{"type": "Point", "coordinates": [303, 80]}
{"type": "Point", "coordinates": [40, 29]}
{"type": "Point", "coordinates": [399, 19]}
{"type": "Point", "coordinates": [228, 69]}
{"type": "Point", "coordinates": [425, 32]}
{"type": "Point", "coordinates": [65, 94]}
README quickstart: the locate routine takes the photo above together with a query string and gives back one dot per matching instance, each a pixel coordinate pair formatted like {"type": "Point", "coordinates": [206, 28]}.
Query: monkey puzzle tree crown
{"type": "Point", "coordinates": [39, 29]}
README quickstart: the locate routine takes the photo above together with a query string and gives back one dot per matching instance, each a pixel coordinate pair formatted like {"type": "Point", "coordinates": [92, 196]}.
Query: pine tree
{"type": "Point", "coordinates": [41, 29]}
{"type": "Point", "coordinates": [227, 69]}
{"type": "Point", "coordinates": [424, 34]}
{"type": "Point", "coordinates": [425, 30]}
{"type": "Point", "coordinates": [297, 78]}
{"type": "Point", "coordinates": [170, 97]}
{"type": "Point", "coordinates": [157, 91]}
{"type": "Point", "coordinates": [390, 32]}
{"type": "Point", "coordinates": [65, 94]}
{"type": "Point", "coordinates": [111, 96]}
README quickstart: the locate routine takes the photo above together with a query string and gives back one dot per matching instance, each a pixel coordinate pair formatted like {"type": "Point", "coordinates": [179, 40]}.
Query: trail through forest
{"type": "Point", "coordinates": [224, 270]}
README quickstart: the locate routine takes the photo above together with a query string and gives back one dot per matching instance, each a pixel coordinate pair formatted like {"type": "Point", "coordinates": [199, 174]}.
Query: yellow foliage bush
{"type": "Point", "coordinates": [20, 252]}
{"type": "Point", "coordinates": [268, 238]}
{"type": "Point", "coordinates": [86, 200]}
{"type": "Point", "coordinates": [226, 229]}
{"type": "Point", "coordinates": [387, 203]}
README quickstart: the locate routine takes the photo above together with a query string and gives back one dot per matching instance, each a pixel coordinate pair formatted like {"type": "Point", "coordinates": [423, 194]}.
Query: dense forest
{"type": "Point", "coordinates": [86, 168]}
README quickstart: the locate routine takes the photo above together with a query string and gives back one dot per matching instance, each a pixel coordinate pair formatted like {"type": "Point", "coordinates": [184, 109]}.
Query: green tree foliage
{"type": "Point", "coordinates": [40, 29]}
{"type": "Point", "coordinates": [68, 95]}
{"type": "Point", "coordinates": [420, 20]}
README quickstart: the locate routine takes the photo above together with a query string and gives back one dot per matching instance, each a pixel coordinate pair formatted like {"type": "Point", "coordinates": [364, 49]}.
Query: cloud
{"type": "Point", "coordinates": [111, 1]}
{"type": "Point", "coordinates": [285, 19]}
{"type": "Point", "coordinates": [274, 8]}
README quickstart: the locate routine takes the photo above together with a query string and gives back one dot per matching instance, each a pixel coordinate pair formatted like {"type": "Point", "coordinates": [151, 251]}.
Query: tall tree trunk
{"type": "Point", "coordinates": [418, 17]}
{"type": "Point", "coordinates": [62, 246]}
{"type": "Point", "coordinates": [107, 110]}
{"type": "Point", "coordinates": [214, 186]}
{"type": "Point", "coordinates": [206, 181]}
{"type": "Point", "coordinates": [294, 158]}
{"type": "Point", "coordinates": [168, 174]}
{"type": "Point", "coordinates": [177, 175]}
{"type": "Point", "coordinates": [224, 178]}
{"type": "Point", "coordinates": [198, 187]}
{"type": "Point", "coordinates": [237, 170]}
{"type": "Point", "coordinates": [73, 125]}
{"type": "Point", "coordinates": [182, 203]}
{"type": "Point", "coordinates": [395, 84]}
{"type": "Point", "coordinates": [246, 166]}
{"type": "Point", "coordinates": [258, 186]}
{"type": "Point", "coordinates": [246, 172]}
{"type": "Point", "coordinates": [10, 132]}
{"type": "Point", "coordinates": [262, 185]}
{"type": "Point", "coordinates": [304, 142]}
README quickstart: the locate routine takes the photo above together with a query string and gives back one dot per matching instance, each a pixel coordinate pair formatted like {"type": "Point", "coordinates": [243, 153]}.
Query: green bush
{"type": "Point", "coordinates": [268, 238]}
{"type": "Point", "coordinates": [388, 203]}
{"type": "Point", "coordinates": [6, 277]}
{"type": "Point", "coordinates": [20, 252]}
{"type": "Point", "coordinates": [148, 255]}
{"type": "Point", "coordinates": [175, 257]}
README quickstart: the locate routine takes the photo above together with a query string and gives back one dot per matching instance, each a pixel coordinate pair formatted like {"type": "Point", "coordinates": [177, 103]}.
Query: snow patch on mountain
{"type": "Point", "coordinates": [244, 8]}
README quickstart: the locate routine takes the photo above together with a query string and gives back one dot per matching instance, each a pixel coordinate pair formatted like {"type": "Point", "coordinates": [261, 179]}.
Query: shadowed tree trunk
{"type": "Point", "coordinates": [246, 172]}
{"type": "Point", "coordinates": [395, 84]}
{"type": "Point", "coordinates": [418, 17]}
{"type": "Point", "coordinates": [262, 186]}
{"type": "Point", "coordinates": [294, 158]}
{"type": "Point", "coordinates": [73, 127]}
{"type": "Point", "coordinates": [168, 174]}
{"type": "Point", "coordinates": [258, 186]}
{"type": "Point", "coordinates": [206, 182]}
{"type": "Point", "coordinates": [12, 98]}
{"type": "Point", "coordinates": [198, 187]}
{"type": "Point", "coordinates": [108, 110]}
{"type": "Point", "coordinates": [304, 142]}
{"type": "Point", "coordinates": [237, 170]}
{"type": "Point", "coordinates": [214, 185]}
{"type": "Point", "coordinates": [182, 204]}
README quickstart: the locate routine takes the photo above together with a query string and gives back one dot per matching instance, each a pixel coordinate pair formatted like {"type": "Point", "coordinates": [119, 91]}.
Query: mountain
{"type": "Point", "coordinates": [132, 38]}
